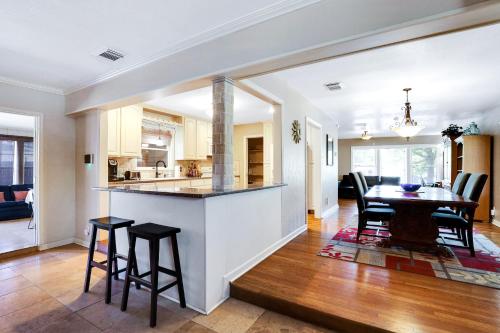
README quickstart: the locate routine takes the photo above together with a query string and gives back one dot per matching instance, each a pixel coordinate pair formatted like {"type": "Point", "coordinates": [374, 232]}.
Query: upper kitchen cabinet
{"type": "Point", "coordinates": [124, 131]}
{"type": "Point", "coordinates": [191, 142]}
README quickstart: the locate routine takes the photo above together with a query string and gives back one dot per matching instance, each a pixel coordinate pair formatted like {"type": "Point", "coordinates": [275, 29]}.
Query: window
{"type": "Point", "coordinates": [7, 150]}
{"type": "Point", "coordinates": [423, 164]}
{"type": "Point", "coordinates": [28, 163]}
{"type": "Point", "coordinates": [393, 162]}
{"type": "Point", "coordinates": [364, 160]}
{"type": "Point", "coordinates": [411, 163]}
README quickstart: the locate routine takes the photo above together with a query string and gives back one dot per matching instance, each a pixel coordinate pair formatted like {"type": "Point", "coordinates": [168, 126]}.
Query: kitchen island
{"type": "Point", "coordinates": [224, 233]}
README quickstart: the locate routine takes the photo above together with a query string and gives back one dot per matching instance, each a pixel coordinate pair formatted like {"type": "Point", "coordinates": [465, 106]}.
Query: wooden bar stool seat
{"type": "Point", "coordinates": [153, 233]}
{"type": "Point", "coordinates": [109, 223]}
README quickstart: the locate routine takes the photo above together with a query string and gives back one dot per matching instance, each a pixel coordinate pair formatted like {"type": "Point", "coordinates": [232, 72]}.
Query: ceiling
{"type": "Point", "coordinates": [198, 103]}
{"type": "Point", "coordinates": [455, 79]}
{"type": "Point", "coordinates": [11, 121]}
{"type": "Point", "coordinates": [52, 44]}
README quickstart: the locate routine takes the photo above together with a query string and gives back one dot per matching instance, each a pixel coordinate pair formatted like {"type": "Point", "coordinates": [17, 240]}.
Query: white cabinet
{"type": "Point", "coordinates": [201, 140]}
{"type": "Point", "coordinates": [124, 131]}
{"type": "Point", "coordinates": [209, 140]}
{"type": "Point", "coordinates": [268, 152]}
{"type": "Point", "coordinates": [130, 132]}
{"type": "Point", "coordinates": [191, 141]}
{"type": "Point", "coordinates": [114, 132]}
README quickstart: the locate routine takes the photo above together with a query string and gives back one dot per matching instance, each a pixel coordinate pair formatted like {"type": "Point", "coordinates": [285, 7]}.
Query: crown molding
{"type": "Point", "coordinates": [258, 16]}
{"type": "Point", "coordinates": [37, 87]}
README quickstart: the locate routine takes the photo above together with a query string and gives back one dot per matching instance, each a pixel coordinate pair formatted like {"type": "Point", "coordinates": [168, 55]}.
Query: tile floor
{"type": "Point", "coordinates": [14, 235]}
{"type": "Point", "coordinates": [42, 292]}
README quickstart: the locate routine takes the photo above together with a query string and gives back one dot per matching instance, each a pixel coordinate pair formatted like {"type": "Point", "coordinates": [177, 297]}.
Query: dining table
{"type": "Point", "coordinates": [412, 225]}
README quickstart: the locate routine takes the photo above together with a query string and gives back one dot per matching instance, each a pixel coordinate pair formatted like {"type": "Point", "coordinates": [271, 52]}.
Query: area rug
{"type": "Point", "coordinates": [484, 269]}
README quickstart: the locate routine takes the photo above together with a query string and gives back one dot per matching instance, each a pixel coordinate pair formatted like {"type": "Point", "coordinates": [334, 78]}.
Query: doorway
{"type": "Point", "coordinates": [18, 181]}
{"type": "Point", "coordinates": [313, 168]}
{"type": "Point", "coordinates": [254, 159]}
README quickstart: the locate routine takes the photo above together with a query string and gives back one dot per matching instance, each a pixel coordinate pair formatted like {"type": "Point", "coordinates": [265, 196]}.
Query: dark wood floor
{"type": "Point", "coordinates": [361, 298]}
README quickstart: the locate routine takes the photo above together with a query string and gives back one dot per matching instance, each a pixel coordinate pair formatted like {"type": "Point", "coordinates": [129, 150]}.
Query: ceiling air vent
{"type": "Point", "coordinates": [333, 86]}
{"type": "Point", "coordinates": [111, 55]}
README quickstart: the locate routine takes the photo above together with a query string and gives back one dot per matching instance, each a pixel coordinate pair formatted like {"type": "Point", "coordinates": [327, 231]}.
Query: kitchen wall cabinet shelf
{"type": "Point", "coordinates": [124, 131]}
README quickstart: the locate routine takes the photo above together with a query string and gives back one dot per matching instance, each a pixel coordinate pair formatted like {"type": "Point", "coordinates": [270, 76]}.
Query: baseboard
{"type": "Point", "coordinates": [496, 223]}
{"type": "Point", "coordinates": [47, 246]}
{"type": "Point", "coordinates": [249, 264]}
{"type": "Point", "coordinates": [81, 242]}
{"type": "Point", "coordinates": [330, 211]}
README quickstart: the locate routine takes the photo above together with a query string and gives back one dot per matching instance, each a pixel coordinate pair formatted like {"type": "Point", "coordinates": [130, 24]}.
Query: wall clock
{"type": "Point", "coordinates": [296, 133]}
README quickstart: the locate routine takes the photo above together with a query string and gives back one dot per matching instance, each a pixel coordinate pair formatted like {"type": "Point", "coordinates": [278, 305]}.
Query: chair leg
{"type": "Point", "coordinates": [115, 259]}
{"type": "Point", "coordinates": [360, 227]}
{"type": "Point", "coordinates": [153, 263]}
{"type": "Point", "coordinates": [470, 241]}
{"type": "Point", "coordinates": [180, 285]}
{"type": "Point", "coordinates": [109, 267]}
{"type": "Point", "coordinates": [130, 263]}
{"type": "Point", "coordinates": [463, 236]}
{"type": "Point", "coordinates": [135, 269]}
{"type": "Point", "coordinates": [90, 258]}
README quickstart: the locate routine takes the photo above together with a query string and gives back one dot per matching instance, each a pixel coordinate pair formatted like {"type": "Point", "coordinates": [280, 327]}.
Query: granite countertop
{"type": "Point", "coordinates": [188, 192]}
{"type": "Point", "coordinates": [154, 180]}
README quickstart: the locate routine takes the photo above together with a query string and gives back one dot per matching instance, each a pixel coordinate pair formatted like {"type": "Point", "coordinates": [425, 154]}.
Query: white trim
{"type": "Point", "coordinates": [81, 242]}
{"type": "Point", "coordinates": [253, 18]}
{"type": "Point", "coordinates": [250, 263]}
{"type": "Point", "coordinates": [330, 211]}
{"type": "Point", "coordinates": [316, 187]}
{"type": "Point", "coordinates": [38, 87]}
{"type": "Point", "coordinates": [51, 245]}
{"type": "Point", "coordinates": [496, 223]}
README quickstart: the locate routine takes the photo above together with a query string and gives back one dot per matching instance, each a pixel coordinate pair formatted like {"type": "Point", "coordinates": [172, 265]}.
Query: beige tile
{"type": "Point", "coordinates": [192, 327]}
{"type": "Point", "coordinates": [14, 284]}
{"type": "Point", "coordinates": [232, 316]}
{"type": "Point", "coordinates": [76, 299]}
{"type": "Point", "coordinates": [33, 317]}
{"type": "Point", "coordinates": [72, 323]}
{"type": "Point", "coordinates": [32, 258]}
{"type": "Point", "coordinates": [135, 319]}
{"type": "Point", "coordinates": [176, 308]}
{"type": "Point", "coordinates": [272, 322]}
{"type": "Point", "coordinates": [21, 299]}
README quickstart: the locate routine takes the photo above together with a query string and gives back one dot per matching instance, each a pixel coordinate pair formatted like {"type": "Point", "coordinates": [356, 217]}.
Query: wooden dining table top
{"type": "Point", "coordinates": [432, 196]}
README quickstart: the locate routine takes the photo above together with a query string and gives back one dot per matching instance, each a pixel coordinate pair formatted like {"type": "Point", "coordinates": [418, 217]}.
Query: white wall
{"type": "Point", "coordinates": [57, 159]}
{"type": "Point", "coordinates": [296, 107]}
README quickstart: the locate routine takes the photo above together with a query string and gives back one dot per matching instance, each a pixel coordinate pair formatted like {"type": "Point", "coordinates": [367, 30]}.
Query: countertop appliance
{"type": "Point", "coordinates": [112, 170]}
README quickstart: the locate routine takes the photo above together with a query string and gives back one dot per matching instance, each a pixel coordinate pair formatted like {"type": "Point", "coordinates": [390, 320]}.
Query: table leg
{"type": "Point", "coordinates": [413, 227]}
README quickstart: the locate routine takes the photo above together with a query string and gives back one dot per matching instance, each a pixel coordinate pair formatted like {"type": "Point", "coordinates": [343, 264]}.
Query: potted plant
{"type": "Point", "coordinates": [453, 131]}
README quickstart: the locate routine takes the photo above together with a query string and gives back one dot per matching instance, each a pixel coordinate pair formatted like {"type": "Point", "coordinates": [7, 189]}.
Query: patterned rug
{"type": "Point", "coordinates": [484, 269]}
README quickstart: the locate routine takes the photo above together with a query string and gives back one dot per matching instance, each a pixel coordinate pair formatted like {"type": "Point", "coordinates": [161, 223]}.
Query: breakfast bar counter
{"type": "Point", "coordinates": [223, 233]}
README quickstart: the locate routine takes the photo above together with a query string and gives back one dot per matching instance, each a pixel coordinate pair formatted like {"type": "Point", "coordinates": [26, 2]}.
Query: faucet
{"type": "Point", "coordinates": [157, 174]}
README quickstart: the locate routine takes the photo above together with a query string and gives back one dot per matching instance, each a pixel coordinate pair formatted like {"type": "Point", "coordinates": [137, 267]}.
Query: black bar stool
{"type": "Point", "coordinates": [153, 233]}
{"type": "Point", "coordinates": [109, 223]}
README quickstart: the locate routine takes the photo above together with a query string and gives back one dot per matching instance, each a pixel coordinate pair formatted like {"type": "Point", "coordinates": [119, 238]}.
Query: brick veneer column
{"type": "Point", "coordinates": [222, 136]}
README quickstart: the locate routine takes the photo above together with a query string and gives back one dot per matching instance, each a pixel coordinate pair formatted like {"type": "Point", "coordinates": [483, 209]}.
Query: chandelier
{"type": "Point", "coordinates": [406, 127]}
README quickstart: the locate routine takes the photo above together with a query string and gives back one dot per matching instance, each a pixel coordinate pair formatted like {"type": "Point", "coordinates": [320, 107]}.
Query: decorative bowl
{"type": "Point", "coordinates": [410, 187]}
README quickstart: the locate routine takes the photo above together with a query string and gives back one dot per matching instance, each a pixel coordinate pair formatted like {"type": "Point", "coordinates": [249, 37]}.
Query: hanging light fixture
{"type": "Point", "coordinates": [407, 127]}
{"type": "Point", "coordinates": [365, 136]}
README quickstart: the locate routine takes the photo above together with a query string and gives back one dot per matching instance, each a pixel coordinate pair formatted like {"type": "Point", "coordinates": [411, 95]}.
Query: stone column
{"type": "Point", "coordinates": [222, 133]}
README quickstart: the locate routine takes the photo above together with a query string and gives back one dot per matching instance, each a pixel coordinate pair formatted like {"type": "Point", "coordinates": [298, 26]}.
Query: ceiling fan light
{"type": "Point", "coordinates": [365, 136]}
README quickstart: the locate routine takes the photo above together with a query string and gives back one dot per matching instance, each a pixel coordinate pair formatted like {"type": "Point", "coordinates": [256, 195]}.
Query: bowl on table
{"type": "Point", "coordinates": [410, 187]}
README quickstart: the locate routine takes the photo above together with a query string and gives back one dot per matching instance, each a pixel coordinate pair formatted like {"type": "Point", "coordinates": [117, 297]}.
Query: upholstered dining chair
{"type": "Point", "coordinates": [464, 221]}
{"type": "Point", "coordinates": [368, 214]}
{"type": "Point", "coordinates": [365, 190]}
{"type": "Point", "coordinates": [457, 188]}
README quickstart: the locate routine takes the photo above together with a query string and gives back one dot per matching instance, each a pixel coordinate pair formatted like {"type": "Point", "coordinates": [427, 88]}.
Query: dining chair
{"type": "Point", "coordinates": [369, 214]}
{"type": "Point", "coordinates": [464, 221]}
{"type": "Point", "coordinates": [457, 188]}
{"type": "Point", "coordinates": [365, 190]}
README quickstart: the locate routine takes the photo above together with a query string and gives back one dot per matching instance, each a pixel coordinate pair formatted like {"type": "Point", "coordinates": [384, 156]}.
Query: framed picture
{"type": "Point", "coordinates": [329, 150]}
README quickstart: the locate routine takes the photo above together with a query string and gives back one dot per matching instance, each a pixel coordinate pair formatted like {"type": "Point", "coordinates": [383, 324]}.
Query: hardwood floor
{"type": "Point", "coordinates": [361, 298]}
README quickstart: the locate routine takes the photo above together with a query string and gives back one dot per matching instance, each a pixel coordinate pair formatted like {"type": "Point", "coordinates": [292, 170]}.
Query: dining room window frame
{"type": "Point", "coordinates": [408, 148]}
{"type": "Point", "coordinates": [19, 158]}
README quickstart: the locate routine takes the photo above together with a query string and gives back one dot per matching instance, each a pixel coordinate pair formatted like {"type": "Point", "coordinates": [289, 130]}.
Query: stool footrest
{"type": "Point", "coordinates": [99, 265]}
{"type": "Point", "coordinates": [167, 271]}
{"type": "Point", "coordinates": [140, 281]}
{"type": "Point", "coordinates": [120, 271]}
{"type": "Point", "coordinates": [121, 256]}
{"type": "Point", "coordinates": [170, 285]}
